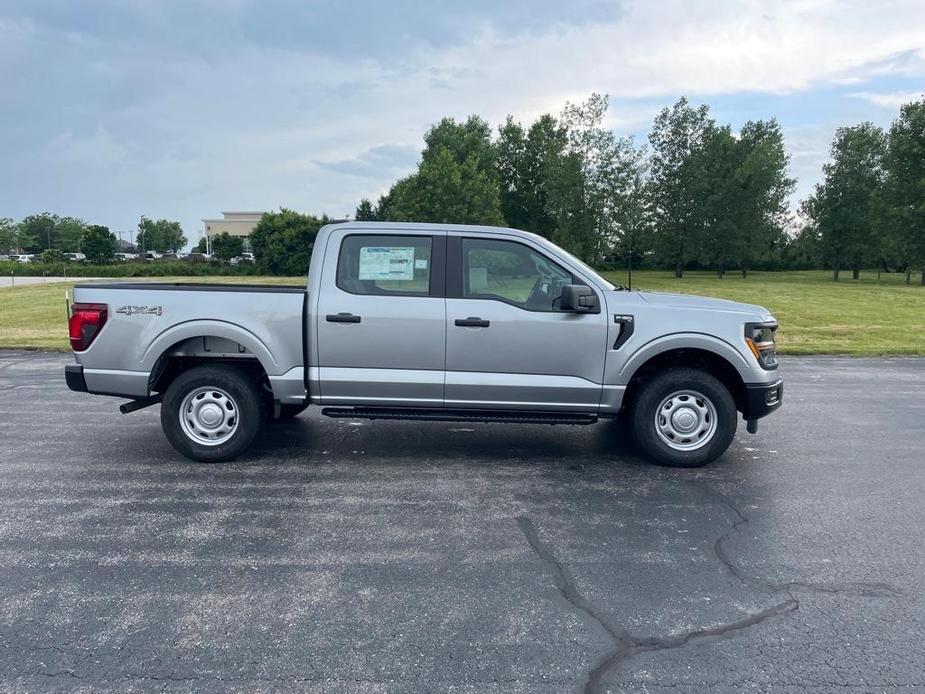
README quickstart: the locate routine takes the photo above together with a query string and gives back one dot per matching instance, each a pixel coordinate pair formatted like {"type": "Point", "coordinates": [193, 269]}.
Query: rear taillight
{"type": "Point", "coordinates": [85, 324]}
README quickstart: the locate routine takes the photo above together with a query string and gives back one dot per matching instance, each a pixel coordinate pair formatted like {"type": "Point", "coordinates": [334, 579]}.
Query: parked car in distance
{"type": "Point", "coordinates": [243, 259]}
{"type": "Point", "coordinates": [126, 256]}
{"type": "Point", "coordinates": [75, 257]}
{"type": "Point", "coordinates": [198, 257]}
{"type": "Point", "coordinates": [22, 258]}
{"type": "Point", "coordinates": [429, 322]}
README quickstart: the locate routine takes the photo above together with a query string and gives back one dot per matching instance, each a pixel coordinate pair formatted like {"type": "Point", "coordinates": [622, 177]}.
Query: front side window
{"type": "Point", "coordinates": [512, 272]}
{"type": "Point", "coordinates": [385, 265]}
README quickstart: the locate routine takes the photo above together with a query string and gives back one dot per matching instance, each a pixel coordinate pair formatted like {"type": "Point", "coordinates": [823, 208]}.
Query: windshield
{"type": "Point", "coordinates": [578, 263]}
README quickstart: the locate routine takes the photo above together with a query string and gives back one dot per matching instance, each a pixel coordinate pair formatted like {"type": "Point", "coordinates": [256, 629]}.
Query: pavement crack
{"type": "Point", "coordinates": [624, 644]}
{"type": "Point", "coordinates": [640, 644]}
{"type": "Point", "coordinates": [858, 588]}
{"type": "Point", "coordinates": [564, 583]}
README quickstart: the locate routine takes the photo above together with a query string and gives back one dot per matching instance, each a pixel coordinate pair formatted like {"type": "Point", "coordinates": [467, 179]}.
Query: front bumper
{"type": "Point", "coordinates": [74, 375]}
{"type": "Point", "coordinates": [761, 399]}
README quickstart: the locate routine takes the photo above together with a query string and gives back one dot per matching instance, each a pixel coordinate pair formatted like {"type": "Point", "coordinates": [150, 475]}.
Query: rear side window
{"type": "Point", "coordinates": [385, 265]}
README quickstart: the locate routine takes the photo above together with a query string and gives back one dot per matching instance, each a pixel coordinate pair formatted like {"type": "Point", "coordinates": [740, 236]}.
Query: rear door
{"type": "Point", "coordinates": [381, 319]}
{"type": "Point", "coordinates": [508, 344]}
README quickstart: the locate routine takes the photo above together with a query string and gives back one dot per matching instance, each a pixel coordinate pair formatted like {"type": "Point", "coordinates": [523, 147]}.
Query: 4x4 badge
{"type": "Point", "coordinates": [134, 310]}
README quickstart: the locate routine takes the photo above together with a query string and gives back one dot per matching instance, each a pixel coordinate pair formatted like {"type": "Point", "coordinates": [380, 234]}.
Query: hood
{"type": "Point", "coordinates": [704, 303]}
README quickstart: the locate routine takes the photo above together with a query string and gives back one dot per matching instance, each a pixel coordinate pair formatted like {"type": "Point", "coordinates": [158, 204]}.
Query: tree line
{"type": "Point", "coordinates": [869, 208]}
{"type": "Point", "coordinates": [696, 195]}
{"type": "Point", "coordinates": [52, 235]}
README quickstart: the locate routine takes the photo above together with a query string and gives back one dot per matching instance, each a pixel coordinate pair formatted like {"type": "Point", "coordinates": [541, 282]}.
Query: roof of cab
{"type": "Point", "coordinates": [422, 226]}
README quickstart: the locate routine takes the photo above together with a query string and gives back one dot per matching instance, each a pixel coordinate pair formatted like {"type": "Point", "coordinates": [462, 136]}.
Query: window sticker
{"type": "Point", "coordinates": [386, 263]}
{"type": "Point", "coordinates": [478, 278]}
{"type": "Point", "coordinates": [420, 263]}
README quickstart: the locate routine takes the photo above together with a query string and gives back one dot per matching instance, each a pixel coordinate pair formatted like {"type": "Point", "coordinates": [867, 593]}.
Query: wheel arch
{"type": "Point", "coordinates": [723, 363]}
{"type": "Point", "coordinates": [206, 342]}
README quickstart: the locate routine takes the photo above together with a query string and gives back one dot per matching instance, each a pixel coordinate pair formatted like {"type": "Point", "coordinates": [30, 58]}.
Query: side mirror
{"type": "Point", "coordinates": [578, 298]}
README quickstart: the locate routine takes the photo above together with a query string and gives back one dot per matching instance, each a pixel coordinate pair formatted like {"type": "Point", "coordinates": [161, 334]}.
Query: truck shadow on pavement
{"type": "Point", "coordinates": [314, 439]}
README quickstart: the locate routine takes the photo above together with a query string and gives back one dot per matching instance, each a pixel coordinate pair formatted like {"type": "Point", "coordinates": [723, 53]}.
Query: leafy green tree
{"type": "Point", "coordinates": [593, 182]}
{"type": "Point", "coordinates": [52, 255]}
{"type": "Point", "coordinates": [902, 204]}
{"type": "Point", "coordinates": [842, 207]}
{"type": "Point", "coordinates": [675, 183]}
{"type": "Point", "coordinates": [282, 242]}
{"type": "Point", "coordinates": [525, 161]}
{"type": "Point", "coordinates": [37, 232]}
{"type": "Point", "coordinates": [9, 235]}
{"type": "Point", "coordinates": [225, 246]}
{"type": "Point", "coordinates": [763, 189]}
{"type": "Point", "coordinates": [202, 246]}
{"type": "Point", "coordinates": [68, 234]}
{"type": "Point", "coordinates": [445, 191]}
{"type": "Point", "coordinates": [465, 141]}
{"type": "Point", "coordinates": [712, 165]}
{"type": "Point", "coordinates": [365, 211]}
{"type": "Point", "coordinates": [99, 244]}
{"type": "Point", "coordinates": [456, 180]}
{"type": "Point", "coordinates": [162, 235]}
{"type": "Point", "coordinates": [740, 190]}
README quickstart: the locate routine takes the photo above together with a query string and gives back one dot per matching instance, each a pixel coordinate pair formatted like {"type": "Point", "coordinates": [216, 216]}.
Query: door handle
{"type": "Point", "coordinates": [471, 322]}
{"type": "Point", "coordinates": [342, 318]}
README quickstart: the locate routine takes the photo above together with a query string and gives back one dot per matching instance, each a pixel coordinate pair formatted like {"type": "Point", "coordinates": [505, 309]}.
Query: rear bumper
{"type": "Point", "coordinates": [74, 375]}
{"type": "Point", "coordinates": [761, 399]}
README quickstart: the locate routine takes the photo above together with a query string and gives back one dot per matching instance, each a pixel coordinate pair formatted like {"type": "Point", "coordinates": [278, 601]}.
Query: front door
{"type": "Point", "coordinates": [508, 344]}
{"type": "Point", "coordinates": [381, 322]}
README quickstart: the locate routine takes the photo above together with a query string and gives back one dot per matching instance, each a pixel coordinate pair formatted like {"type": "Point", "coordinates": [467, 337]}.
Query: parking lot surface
{"type": "Point", "coordinates": [402, 556]}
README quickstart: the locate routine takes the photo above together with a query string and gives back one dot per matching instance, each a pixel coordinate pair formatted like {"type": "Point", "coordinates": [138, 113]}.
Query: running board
{"type": "Point", "coordinates": [509, 416]}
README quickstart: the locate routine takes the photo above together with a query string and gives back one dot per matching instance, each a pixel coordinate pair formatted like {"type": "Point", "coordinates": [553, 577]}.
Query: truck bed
{"type": "Point", "coordinates": [147, 320]}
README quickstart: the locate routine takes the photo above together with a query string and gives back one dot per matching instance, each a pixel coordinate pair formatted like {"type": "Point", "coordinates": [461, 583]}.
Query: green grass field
{"type": "Point", "coordinates": [817, 316]}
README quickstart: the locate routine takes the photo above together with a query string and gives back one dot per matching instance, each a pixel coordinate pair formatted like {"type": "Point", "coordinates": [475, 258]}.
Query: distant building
{"type": "Point", "coordinates": [233, 224]}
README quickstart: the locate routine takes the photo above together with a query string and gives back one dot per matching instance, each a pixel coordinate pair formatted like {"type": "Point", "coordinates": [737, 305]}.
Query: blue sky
{"type": "Point", "coordinates": [113, 109]}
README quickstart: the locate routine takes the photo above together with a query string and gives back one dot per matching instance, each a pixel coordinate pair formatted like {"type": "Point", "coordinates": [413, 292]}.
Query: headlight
{"type": "Point", "coordinates": [760, 340]}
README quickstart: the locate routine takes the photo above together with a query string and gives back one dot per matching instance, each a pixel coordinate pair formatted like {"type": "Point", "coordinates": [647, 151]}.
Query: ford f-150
{"type": "Point", "coordinates": [429, 322]}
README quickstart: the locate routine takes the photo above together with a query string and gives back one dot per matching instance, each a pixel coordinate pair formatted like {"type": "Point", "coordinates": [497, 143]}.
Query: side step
{"type": "Point", "coordinates": [510, 416]}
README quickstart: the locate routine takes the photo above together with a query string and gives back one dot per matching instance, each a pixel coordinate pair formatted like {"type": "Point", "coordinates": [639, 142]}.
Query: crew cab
{"type": "Point", "coordinates": [429, 322]}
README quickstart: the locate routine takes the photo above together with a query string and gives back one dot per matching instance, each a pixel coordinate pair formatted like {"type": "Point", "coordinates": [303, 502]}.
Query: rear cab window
{"type": "Point", "coordinates": [385, 265]}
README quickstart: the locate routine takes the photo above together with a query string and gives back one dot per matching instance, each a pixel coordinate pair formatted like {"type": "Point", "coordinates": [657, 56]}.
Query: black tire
{"type": "Point", "coordinates": [240, 421]}
{"type": "Point", "coordinates": [684, 384]}
{"type": "Point", "coordinates": [290, 411]}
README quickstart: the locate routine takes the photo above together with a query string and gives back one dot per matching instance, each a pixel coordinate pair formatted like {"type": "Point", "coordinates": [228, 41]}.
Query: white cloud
{"type": "Point", "coordinates": [145, 128]}
{"type": "Point", "coordinates": [890, 100]}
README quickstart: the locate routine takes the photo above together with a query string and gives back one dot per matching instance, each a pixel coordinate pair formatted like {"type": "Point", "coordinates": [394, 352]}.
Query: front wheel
{"type": "Point", "coordinates": [211, 414]}
{"type": "Point", "coordinates": [684, 417]}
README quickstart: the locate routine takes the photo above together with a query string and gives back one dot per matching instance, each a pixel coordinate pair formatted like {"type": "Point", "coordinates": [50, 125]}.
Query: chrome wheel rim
{"type": "Point", "coordinates": [209, 416]}
{"type": "Point", "coordinates": [685, 420]}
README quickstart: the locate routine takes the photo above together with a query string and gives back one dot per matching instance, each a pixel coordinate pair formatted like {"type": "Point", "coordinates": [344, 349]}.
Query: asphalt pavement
{"type": "Point", "coordinates": [349, 556]}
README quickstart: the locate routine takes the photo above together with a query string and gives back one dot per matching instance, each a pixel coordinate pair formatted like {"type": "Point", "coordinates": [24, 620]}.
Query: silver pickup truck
{"type": "Point", "coordinates": [429, 322]}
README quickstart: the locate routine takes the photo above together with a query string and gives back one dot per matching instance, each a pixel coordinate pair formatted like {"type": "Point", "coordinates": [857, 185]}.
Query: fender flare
{"type": "Point", "coordinates": [668, 343]}
{"type": "Point", "coordinates": [208, 328]}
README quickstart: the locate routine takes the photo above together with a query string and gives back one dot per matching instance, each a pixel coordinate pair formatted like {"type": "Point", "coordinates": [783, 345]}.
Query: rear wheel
{"type": "Point", "coordinates": [684, 417]}
{"type": "Point", "coordinates": [211, 414]}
